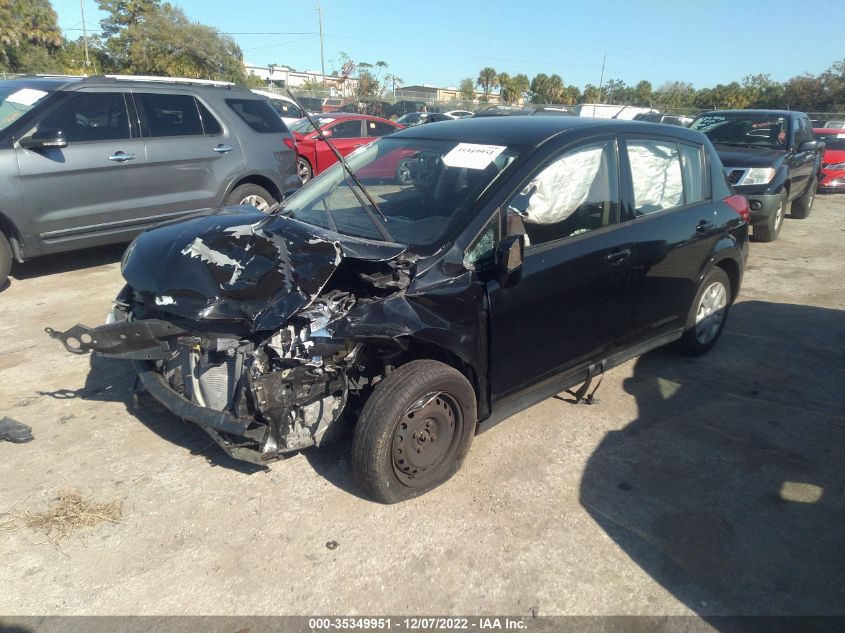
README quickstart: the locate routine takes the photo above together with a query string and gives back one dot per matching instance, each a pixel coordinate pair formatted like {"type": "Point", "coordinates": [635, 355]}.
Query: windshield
{"type": "Point", "coordinates": [410, 119]}
{"type": "Point", "coordinates": [304, 127]}
{"type": "Point", "coordinates": [743, 130]}
{"type": "Point", "coordinates": [426, 189]}
{"type": "Point", "coordinates": [15, 102]}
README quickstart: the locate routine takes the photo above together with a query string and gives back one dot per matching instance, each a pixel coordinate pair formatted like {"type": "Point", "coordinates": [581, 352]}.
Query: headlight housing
{"type": "Point", "coordinates": [835, 166]}
{"type": "Point", "coordinates": [758, 176]}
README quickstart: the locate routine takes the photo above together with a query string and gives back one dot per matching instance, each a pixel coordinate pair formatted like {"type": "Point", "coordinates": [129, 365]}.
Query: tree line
{"type": "Point", "coordinates": [810, 93]}
{"type": "Point", "coordinates": [141, 37]}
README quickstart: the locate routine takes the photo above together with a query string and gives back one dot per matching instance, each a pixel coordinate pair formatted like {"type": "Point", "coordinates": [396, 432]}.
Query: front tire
{"type": "Point", "coordinates": [414, 432]}
{"type": "Point", "coordinates": [708, 314]}
{"type": "Point", "coordinates": [769, 231]}
{"type": "Point", "coordinates": [5, 260]}
{"type": "Point", "coordinates": [802, 206]}
{"type": "Point", "coordinates": [253, 195]}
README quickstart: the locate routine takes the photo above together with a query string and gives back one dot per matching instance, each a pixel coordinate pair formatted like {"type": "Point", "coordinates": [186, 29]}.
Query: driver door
{"type": "Point", "coordinates": [347, 135]}
{"type": "Point", "coordinates": [573, 299]}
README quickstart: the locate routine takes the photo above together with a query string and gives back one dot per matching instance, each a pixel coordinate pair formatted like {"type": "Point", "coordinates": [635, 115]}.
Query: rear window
{"type": "Point", "coordinates": [258, 114]}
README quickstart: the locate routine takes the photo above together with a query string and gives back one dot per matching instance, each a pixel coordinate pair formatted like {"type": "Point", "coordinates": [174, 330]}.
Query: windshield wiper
{"type": "Point", "coordinates": [379, 223]}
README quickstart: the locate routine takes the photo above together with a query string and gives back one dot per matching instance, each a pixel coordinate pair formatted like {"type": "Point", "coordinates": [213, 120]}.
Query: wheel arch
{"type": "Point", "coordinates": [413, 348]}
{"type": "Point", "coordinates": [256, 179]}
{"type": "Point", "coordinates": [8, 229]}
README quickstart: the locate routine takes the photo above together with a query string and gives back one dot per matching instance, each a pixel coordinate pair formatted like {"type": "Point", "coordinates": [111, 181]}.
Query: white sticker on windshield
{"type": "Point", "coordinates": [26, 96]}
{"type": "Point", "coordinates": [472, 156]}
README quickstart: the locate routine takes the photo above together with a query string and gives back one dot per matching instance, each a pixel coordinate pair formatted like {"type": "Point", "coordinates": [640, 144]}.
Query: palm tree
{"type": "Point", "coordinates": [488, 78]}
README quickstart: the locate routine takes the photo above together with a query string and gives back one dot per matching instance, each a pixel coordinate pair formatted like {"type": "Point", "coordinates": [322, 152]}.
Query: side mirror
{"type": "Point", "coordinates": [45, 139]}
{"type": "Point", "coordinates": [509, 256]}
{"type": "Point", "coordinates": [808, 146]}
{"type": "Point", "coordinates": [326, 133]}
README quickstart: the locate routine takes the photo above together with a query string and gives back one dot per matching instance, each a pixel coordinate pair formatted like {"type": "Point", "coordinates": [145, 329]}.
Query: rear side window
{"type": "Point", "coordinates": [164, 114]}
{"type": "Point", "coordinates": [656, 175]}
{"type": "Point", "coordinates": [379, 128]}
{"type": "Point", "coordinates": [258, 114]}
{"type": "Point", "coordinates": [90, 116]}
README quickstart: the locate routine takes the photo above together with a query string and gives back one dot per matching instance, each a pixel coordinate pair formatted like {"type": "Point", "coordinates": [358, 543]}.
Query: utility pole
{"type": "Point", "coordinates": [601, 81]}
{"type": "Point", "coordinates": [84, 34]}
{"type": "Point", "coordinates": [322, 58]}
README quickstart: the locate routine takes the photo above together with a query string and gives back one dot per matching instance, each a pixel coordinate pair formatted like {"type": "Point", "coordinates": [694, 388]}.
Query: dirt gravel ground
{"type": "Point", "coordinates": [706, 486]}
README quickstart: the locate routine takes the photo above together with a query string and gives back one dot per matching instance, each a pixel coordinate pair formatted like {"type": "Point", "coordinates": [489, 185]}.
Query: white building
{"type": "Point", "coordinates": [286, 77]}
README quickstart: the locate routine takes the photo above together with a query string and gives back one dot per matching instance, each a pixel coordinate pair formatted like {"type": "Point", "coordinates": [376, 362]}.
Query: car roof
{"type": "Point", "coordinates": [348, 115]}
{"type": "Point", "coordinates": [828, 130]}
{"type": "Point", "coordinates": [58, 82]}
{"type": "Point", "coordinates": [752, 112]}
{"type": "Point", "coordinates": [531, 131]}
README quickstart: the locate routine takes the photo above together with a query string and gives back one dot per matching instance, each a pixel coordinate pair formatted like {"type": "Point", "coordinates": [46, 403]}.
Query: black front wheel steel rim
{"type": "Point", "coordinates": [426, 439]}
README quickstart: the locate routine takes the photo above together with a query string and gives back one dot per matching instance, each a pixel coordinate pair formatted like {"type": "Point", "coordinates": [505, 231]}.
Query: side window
{"type": "Point", "coordinates": [210, 123]}
{"type": "Point", "coordinates": [797, 132]}
{"type": "Point", "coordinates": [90, 116]}
{"type": "Point", "coordinates": [378, 128]}
{"type": "Point", "coordinates": [259, 115]}
{"type": "Point", "coordinates": [484, 245]}
{"type": "Point", "coordinates": [656, 176]}
{"type": "Point", "coordinates": [165, 114]}
{"type": "Point", "coordinates": [347, 129]}
{"type": "Point", "coordinates": [808, 129]}
{"type": "Point", "coordinates": [692, 166]}
{"type": "Point", "coordinates": [576, 193]}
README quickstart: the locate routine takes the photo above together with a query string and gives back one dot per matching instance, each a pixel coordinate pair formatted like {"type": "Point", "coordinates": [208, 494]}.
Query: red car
{"type": "Point", "coordinates": [832, 177]}
{"type": "Point", "coordinates": [347, 132]}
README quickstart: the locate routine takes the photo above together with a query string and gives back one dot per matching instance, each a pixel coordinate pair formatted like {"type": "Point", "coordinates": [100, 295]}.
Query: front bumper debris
{"type": "Point", "coordinates": [257, 398]}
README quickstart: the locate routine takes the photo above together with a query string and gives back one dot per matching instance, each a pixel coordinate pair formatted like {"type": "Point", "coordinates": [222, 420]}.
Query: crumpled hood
{"type": "Point", "coordinates": [749, 156]}
{"type": "Point", "coordinates": [239, 265]}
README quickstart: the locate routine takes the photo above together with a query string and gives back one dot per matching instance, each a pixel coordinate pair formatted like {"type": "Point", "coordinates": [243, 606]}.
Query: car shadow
{"type": "Point", "coordinates": [112, 380]}
{"type": "Point", "coordinates": [728, 488]}
{"type": "Point", "coordinates": [67, 262]}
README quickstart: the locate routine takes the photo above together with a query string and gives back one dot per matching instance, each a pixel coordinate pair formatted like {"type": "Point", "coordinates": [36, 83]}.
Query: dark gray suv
{"type": "Point", "coordinates": [92, 161]}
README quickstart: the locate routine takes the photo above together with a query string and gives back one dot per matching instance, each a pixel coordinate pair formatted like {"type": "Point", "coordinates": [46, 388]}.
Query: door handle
{"type": "Point", "coordinates": [703, 226]}
{"type": "Point", "coordinates": [121, 157]}
{"type": "Point", "coordinates": [222, 149]}
{"type": "Point", "coordinates": [618, 256]}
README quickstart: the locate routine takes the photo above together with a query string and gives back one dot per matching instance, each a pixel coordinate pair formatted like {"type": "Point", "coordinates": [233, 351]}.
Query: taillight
{"type": "Point", "coordinates": [740, 205]}
{"type": "Point", "coordinates": [290, 142]}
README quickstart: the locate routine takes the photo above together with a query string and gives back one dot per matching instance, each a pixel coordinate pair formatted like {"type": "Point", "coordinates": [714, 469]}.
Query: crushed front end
{"type": "Point", "coordinates": [230, 324]}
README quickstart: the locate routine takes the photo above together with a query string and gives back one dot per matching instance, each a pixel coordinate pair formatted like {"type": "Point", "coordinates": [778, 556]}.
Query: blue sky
{"type": "Point", "coordinates": [438, 43]}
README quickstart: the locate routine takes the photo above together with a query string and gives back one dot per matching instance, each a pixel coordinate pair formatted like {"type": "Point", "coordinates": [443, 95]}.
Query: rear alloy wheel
{"type": "Point", "coordinates": [5, 260]}
{"type": "Point", "coordinates": [403, 172]}
{"type": "Point", "coordinates": [802, 206]}
{"type": "Point", "coordinates": [252, 195]}
{"type": "Point", "coordinates": [769, 231]}
{"type": "Point", "coordinates": [709, 311]}
{"type": "Point", "coordinates": [414, 432]}
{"type": "Point", "coordinates": [303, 170]}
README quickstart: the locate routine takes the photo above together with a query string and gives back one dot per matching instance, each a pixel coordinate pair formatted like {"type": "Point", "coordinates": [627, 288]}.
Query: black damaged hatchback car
{"type": "Point", "coordinates": [508, 260]}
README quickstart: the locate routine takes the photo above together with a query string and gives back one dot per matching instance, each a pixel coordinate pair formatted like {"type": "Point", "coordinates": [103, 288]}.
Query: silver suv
{"type": "Point", "coordinates": [96, 160]}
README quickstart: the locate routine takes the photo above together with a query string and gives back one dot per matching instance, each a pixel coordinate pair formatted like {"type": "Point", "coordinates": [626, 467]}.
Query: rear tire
{"type": "Point", "coordinates": [708, 314]}
{"type": "Point", "coordinates": [253, 195]}
{"type": "Point", "coordinates": [5, 260]}
{"type": "Point", "coordinates": [769, 231]}
{"type": "Point", "coordinates": [802, 206]}
{"type": "Point", "coordinates": [414, 432]}
{"type": "Point", "coordinates": [303, 169]}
